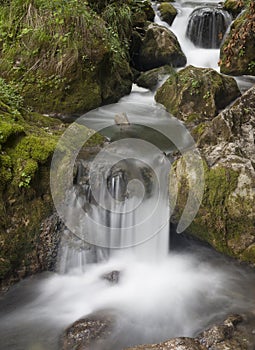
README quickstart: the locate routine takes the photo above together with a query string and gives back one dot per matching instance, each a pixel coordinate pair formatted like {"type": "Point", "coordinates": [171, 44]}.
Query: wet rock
{"type": "Point", "coordinates": [167, 12]}
{"type": "Point", "coordinates": [112, 277]}
{"type": "Point", "coordinates": [159, 47]}
{"type": "Point", "coordinates": [197, 94]}
{"type": "Point", "coordinates": [89, 332]}
{"type": "Point", "coordinates": [173, 344]}
{"type": "Point", "coordinates": [207, 26]}
{"type": "Point", "coordinates": [226, 216]}
{"type": "Point", "coordinates": [141, 13]}
{"type": "Point", "coordinates": [150, 79]}
{"type": "Point", "coordinates": [232, 334]}
{"type": "Point", "coordinates": [237, 54]}
{"type": "Point", "coordinates": [48, 242]}
{"type": "Point", "coordinates": [226, 335]}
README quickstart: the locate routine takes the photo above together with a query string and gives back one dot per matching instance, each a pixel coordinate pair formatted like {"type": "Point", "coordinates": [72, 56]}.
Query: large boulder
{"type": "Point", "coordinates": [197, 94]}
{"type": "Point", "coordinates": [167, 12]}
{"type": "Point", "coordinates": [69, 64]}
{"type": "Point", "coordinates": [159, 47]}
{"type": "Point", "coordinates": [226, 216]}
{"type": "Point", "coordinates": [237, 54]}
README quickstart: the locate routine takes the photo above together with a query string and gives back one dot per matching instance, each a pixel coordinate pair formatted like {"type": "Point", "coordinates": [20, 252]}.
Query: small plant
{"type": "Point", "coordinates": [207, 95]}
{"type": "Point", "coordinates": [251, 66]}
{"type": "Point", "coordinates": [195, 85]}
{"type": "Point", "coordinates": [25, 180]}
{"type": "Point", "coordinates": [241, 52]}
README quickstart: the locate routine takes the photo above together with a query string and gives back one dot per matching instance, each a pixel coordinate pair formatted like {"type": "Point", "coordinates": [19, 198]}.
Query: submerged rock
{"type": "Point", "coordinates": [226, 216]}
{"type": "Point", "coordinates": [167, 12]}
{"type": "Point", "coordinates": [159, 47]}
{"type": "Point", "coordinates": [89, 332]}
{"type": "Point", "coordinates": [112, 277]}
{"type": "Point", "coordinates": [197, 94]}
{"type": "Point", "coordinates": [237, 54]}
{"type": "Point", "coordinates": [151, 78]}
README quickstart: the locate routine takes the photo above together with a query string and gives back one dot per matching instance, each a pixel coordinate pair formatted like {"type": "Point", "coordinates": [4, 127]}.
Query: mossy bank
{"type": "Point", "coordinates": [27, 142]}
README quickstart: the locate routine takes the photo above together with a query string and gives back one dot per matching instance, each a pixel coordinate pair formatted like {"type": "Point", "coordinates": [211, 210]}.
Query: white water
{"type": "Point", "coordinates": [195, 56]}
{"type": "Point", "coordinates": [153, 301]}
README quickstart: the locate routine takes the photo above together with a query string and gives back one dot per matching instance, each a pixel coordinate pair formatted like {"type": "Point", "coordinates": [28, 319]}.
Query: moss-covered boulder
{"type": "Point", "coordinates": [59, 53]}
{"type": "Point", "coordinates": [151, 78]}
{"type": "Point", "coordinates": [167, 12]}
{"type": "Point", "coordinates": [142, 12]}
{"type": "Point", "coordinates": [159, 47]}
{"type": "Point", "coordinates": [226, 216]}
{"type": "Point", "coordinates": [27, 142]}
{"type": "Point", "coordinates": [196, 94]}
{"type": "Point", "coordinates": [237, 54]}
{"type": "Point", "coordinates": [234, 7]}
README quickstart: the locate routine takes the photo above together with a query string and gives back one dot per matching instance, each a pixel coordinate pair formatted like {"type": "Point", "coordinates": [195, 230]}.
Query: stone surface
{"type": "Point", "coordinates": [237, 54]}
{"type": "Point", "coordinates": [196, 94]}
{"type": "Point", "coordinates": [113, 277]}
{"type": "Point", "coordinates": [167, 12]}
{"type": "Point", "coordinates": [232, 334]}
{"type": "Point", "coordinates": [172, 344]}
{"type": "Point", "coordinates": [159, 47]}
{"type": "Point", "coordinates": [89, 332]}
{"type": "Point", "coordinates": [151, 78]}
{"type": "Point", "coordinates": [226, 216]}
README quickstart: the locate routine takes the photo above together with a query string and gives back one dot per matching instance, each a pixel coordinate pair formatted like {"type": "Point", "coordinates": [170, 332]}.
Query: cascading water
{"type": "Point", "coordinates": [207, 26]}
{"type": "Point", "coordinates": [158, 296]}
{"type": "Point", "coordinates": [123, 206]}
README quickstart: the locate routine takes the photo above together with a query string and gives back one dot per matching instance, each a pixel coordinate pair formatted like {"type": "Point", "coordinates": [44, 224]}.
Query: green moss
{"type": "Point", "coordinates": [56, 52]}
{"type": "Point", "coordinates": [212, 222]}
{"type": "Point", "coordinates": [249, 254]}
{"type": "Point", "coordinates": [168, 12]}
{"type": "Point", "coordinates": [198, 130]}
{"type": "Point", "coordinates": [9, 129]}
{"type": "Point", "coordinates": [197, 94]}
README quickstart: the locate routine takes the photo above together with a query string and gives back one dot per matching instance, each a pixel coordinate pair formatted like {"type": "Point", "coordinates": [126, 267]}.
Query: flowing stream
{"type": "Point", "coordinates": [160, 293]}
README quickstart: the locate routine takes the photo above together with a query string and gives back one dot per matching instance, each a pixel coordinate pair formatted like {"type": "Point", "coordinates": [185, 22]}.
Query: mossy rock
{"type": "Point", "coordinates": [195, 95]}
{"type": "Point", "coordinates": [58, 54]}
{"type": "Point", "coordinates": [159, 47]}
{"type": "Point", "coordinates": [27, 142]}
{"type": "Point", "coordinates": [226, 216]}
{"type": "Point", "coordinates": [167, 12]}
{"type": "Point", "coordinates": [237, 54]}
{"type": "Point", "coordinates": [150, 79]}
{"type": "Point", "coordinates": [234, 7]}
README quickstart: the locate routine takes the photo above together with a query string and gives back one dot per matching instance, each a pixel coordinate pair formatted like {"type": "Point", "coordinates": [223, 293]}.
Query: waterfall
{"type": "Point", "coordinates": [124, 206]}
{"type": "Point", "coordinates": [207, 26]}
